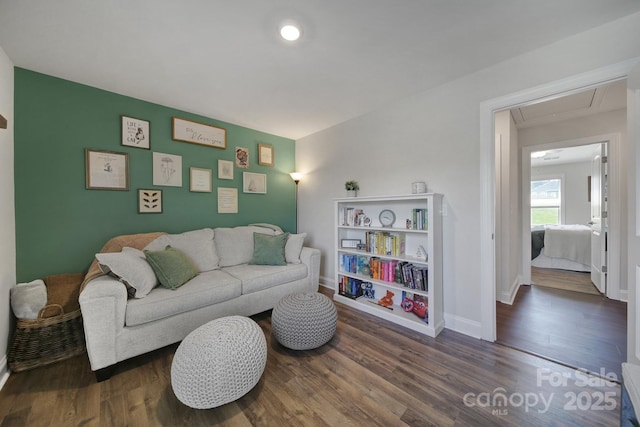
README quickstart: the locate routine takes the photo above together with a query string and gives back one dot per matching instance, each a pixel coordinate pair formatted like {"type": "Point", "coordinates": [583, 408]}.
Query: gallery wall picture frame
{"type": "Point", "coordinates": [200, 180]}
{"type": "Point", "coordinates": [227, 200]}
{"type": "Point", "coordinates": [106, 170]}
{"type": "Point", "coordinates": [149, 200]}
{"type": "Point", "coordinates": [199, 133]}
{"type": "Point", "coordinates": [136, 132]}
{"type": "Point", "coordinates": [225, 169]}
{"type": "Point", "coordinates": [265, 154]}
{"type": "Point", "coordinates": [167, 170]}
{"type": "Point", "coordinates": [242, 157]}
{"type": "Point", "coordinates": [254, 183]}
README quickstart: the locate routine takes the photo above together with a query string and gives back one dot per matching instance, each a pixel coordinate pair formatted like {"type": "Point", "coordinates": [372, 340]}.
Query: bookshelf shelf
{"type": "Point", "coordinates": [410, 253]}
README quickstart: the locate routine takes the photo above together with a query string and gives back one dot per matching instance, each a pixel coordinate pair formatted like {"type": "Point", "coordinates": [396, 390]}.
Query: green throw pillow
{"type": "Point", "coordinates": [269, 250]}
{"type": "Point", "coordinates": [172, 267]}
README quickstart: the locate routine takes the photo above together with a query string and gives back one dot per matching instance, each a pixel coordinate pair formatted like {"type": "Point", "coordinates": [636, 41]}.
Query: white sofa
{"type": "Point", "coordinates": [118, 327]}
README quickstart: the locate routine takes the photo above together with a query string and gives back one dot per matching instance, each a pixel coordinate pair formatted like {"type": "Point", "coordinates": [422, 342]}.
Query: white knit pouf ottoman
{"type": "Point", "coordinates": [219, 362]}
{"type": "Point", "coordinates": [303, 321]}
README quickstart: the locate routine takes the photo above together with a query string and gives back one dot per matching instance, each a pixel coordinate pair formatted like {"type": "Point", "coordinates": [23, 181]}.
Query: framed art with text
{"type": "Point", "coordinates": [199, 133]}
{"type": "Point", "coordinates": [136, 133]}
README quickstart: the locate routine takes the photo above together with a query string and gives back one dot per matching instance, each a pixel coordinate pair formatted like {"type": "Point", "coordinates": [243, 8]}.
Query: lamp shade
{"type": "Point", "coordinates": [296, 176]}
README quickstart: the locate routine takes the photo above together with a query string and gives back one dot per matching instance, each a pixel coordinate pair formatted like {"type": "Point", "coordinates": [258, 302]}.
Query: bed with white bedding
{"type": "Point", "coordinates": [565, 247]}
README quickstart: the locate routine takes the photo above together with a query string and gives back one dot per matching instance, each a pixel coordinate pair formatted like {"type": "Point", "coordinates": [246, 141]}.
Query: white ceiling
{"type": "Point", "coordinates": [561, 156]}
{"type": "Point", "coordinates": [602, 99]}
{"type": "Point", "coordinates": [225, 60]}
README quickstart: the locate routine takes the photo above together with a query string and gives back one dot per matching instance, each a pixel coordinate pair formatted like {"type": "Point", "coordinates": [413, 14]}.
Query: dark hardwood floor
{"type": "Point", "coordinates": [372, 373]}
{"type": "Point", "coordinates": [577, 329]}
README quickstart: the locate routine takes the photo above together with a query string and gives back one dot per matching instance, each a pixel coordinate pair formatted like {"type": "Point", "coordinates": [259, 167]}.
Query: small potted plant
{"type": "Point", "coordinates": [352, 188]}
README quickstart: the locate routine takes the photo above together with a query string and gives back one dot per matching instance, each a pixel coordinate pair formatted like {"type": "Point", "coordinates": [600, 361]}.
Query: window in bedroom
{"type": "Point", "coordinates": [546, 201]}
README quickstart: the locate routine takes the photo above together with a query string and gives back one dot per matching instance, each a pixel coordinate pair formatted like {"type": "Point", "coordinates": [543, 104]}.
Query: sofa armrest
{"type": "Point", "coordinates": [311, 258]}
{"type": "Point", "coordinates": [103, 302]}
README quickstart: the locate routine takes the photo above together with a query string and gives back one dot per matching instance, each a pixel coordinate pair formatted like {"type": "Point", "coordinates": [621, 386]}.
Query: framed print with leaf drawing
{"type": "Point", "coordinates": [149, 201]}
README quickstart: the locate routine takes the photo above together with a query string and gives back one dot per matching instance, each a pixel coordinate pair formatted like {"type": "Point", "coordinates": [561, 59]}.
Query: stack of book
{"type": "Point", "coordinates": [420, 221]}
{"type": "Point", "coordinates": [350, 287]}
{"type": "Point", "coordinates": [414, 277]}
{"type": "Point", "coordinates": [384, 243]}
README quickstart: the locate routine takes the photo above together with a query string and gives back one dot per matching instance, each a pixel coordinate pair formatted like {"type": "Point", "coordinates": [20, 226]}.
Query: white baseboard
{"type": "Point", "coordinates": [463, 325]}
{"type": "Point", "coordinates": [327, 282]}
{"type": "Point", "coordinates": [624, 295]}
{"type": "Point", "coordinates": [4, 371]}
{"type": "Point", "coordinates": [507, 297]}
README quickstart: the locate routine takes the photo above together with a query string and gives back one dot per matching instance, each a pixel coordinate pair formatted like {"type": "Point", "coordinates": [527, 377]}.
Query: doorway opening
{"type": "Point", "coordinates": [546, 316]}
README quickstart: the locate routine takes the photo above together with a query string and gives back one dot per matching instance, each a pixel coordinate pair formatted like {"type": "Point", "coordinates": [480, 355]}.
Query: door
{"type": "Point", "coordinates": [598, 221]}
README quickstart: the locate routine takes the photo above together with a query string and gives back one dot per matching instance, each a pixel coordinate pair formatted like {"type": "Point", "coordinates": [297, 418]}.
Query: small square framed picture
{"type": "Point", "coordinates": [200, 180]}
{"type": "Point", "coordinates": [225, 169]}
{"type": "Point", "coordinates": [265, 155]}
{"type": "Point", "coordinates": [136, 133]}
{"type": "Point", "coordinates": [149, 201]}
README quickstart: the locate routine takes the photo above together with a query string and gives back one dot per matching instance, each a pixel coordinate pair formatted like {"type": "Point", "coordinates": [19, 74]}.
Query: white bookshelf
{"type": "Point", "coordinates": [349, 274]}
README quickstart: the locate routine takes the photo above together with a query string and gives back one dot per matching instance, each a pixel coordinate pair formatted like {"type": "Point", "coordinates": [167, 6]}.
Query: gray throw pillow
{"type": "Point", "coordinates": [198, 245]}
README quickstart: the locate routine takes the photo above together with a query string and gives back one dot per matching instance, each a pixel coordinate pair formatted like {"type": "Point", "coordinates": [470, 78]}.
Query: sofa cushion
{"type": "Point", "coordinates": [269, 250]}
{"type": "Point", "coordinates": [172, 267]}
{"type": "Point", "coordinates": [198, 245]}
{"type": "Point", "coordinates": [293, 247]}
{"type": "Point", "coordinates": [207, 288]}
{"type": "Point", "coordinates": [259, 277]}
{"type": "Point", "coordinates": [235, 245]}
{"type": "Point", "coordinates": [131, 268]}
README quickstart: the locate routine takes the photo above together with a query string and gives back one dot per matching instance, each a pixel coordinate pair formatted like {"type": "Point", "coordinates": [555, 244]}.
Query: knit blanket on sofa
{"type": "Point", "coordinates": [138, 241]}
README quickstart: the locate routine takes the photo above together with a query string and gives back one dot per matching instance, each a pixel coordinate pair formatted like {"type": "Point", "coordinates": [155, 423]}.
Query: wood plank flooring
{"type": "Point", "coordinates": [372, 373]}
{"type": "Point", "coordinates": [575, 281]}
{"type": "Point", "coordinates": [578, 329]}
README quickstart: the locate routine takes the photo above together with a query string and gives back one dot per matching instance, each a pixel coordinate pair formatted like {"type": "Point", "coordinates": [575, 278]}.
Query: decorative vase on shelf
{"type": "Point", "coordinates": [352, 193]}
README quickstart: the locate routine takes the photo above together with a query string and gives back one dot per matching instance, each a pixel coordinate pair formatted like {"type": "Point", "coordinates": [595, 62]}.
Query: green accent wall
{"type": "Point", "coordinates": [60, 225]}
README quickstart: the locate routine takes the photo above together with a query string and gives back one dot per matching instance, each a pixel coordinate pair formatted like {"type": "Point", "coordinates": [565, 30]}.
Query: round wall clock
{"type": "Point", "coordinates": [387, 217]}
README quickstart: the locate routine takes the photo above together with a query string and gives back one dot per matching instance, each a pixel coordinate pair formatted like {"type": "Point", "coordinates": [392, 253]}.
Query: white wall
{"type": "Point", "coordinates": [7, 216]}
{"type": "Point", "coordinates": [508, 208]}
{"type": "Point", "coordinates": [435, 136]}
{"type": "Point", "coordinates": [577, 209]}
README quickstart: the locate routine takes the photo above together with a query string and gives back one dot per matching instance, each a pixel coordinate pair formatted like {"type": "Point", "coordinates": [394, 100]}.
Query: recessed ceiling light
{"type": "Point", "coordinates": [290, 32]}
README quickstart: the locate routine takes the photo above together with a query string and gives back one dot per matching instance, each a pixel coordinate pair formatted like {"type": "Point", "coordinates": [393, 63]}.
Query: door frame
{"type": "Point", "coordinates": [488, 109]}
{"type": "Point", "coordinates": [614, 206]}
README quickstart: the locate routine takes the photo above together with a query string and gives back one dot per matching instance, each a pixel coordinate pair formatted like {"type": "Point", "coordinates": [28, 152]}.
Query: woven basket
{"type": "Point", "coordinates": [57, 334]}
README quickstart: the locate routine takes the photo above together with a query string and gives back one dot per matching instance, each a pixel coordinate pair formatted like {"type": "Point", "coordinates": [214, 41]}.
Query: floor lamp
{"type": "Point", "coordinates": [296, 178]}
